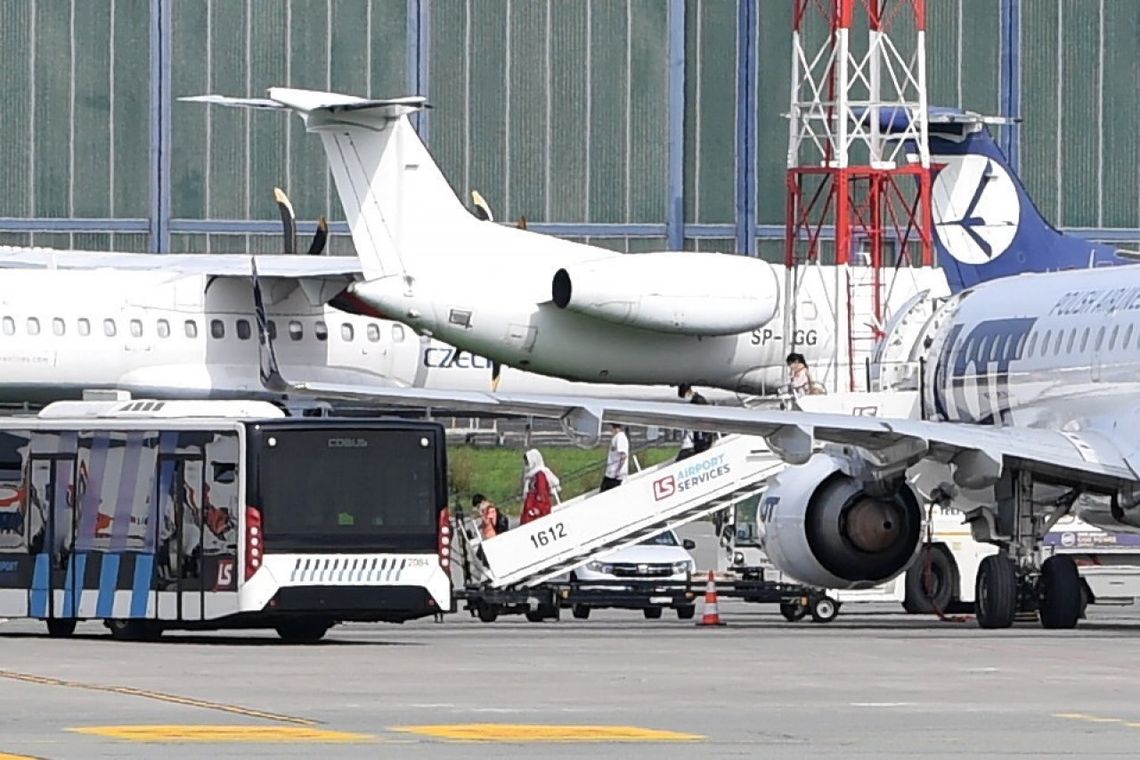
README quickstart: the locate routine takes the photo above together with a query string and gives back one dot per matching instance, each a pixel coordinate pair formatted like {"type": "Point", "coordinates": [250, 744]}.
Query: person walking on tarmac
{"type": "Point", "coordinates": [617, 460]}
{"type": "Point", "coordinates": [540, 487]}
{"type": "Point", "coordinates": [693, 441]}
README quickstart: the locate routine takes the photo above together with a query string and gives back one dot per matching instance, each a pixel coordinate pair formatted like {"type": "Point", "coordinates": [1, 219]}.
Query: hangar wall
{"type": "Point", "coordinates": [632, 123]}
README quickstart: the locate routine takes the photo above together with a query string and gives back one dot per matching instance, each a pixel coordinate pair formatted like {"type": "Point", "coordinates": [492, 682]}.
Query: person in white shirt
{"type": "Point", "coordinates": [617, 460]}
{"type": "Point", "coordinates": [801, 383]}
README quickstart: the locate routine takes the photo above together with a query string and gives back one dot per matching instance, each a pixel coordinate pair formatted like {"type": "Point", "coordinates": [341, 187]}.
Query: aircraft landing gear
{"type": "Point", "coordinates": [1015, 580]}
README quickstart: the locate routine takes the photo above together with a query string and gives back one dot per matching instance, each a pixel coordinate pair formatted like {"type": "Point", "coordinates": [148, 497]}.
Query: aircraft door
{"type": "Point", "coordinates": [178, 502]}
{"type": "Point", "coordinates": [51, 536]}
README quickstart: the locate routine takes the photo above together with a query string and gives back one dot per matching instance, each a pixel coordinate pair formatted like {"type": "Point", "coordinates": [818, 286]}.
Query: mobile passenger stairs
{"type": "Point", "coordinates": [529, 569]}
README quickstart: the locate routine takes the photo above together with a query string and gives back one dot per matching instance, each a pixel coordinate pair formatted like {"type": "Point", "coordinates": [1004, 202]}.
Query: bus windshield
{"type": "Point", "coordinates": [339, 488]}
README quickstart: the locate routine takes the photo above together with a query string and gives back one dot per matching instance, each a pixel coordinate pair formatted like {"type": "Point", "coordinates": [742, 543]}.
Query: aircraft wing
{"type": "Point", "coordinates": [890, 444]}
{"type": "Point", "coordinates": [214, 264]}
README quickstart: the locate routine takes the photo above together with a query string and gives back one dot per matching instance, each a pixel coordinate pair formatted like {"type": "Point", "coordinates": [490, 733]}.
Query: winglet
{"type": "Point", "coordinates": [270, 371]}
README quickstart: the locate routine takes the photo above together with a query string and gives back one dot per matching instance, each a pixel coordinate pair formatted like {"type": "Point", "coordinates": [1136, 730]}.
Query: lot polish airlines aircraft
{"type": "Point", "coordinates": [584, 313]}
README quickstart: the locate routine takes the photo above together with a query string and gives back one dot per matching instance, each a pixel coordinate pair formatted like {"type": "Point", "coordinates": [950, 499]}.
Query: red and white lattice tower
{"type": "Point", "coordinates": [858, 170]}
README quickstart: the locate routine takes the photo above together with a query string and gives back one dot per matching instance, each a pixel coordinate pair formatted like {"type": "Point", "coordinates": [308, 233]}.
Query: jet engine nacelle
{"type": "Point", "coordinates": [677, 292]}
{"type": "Point", "coordinates": [823, 528]}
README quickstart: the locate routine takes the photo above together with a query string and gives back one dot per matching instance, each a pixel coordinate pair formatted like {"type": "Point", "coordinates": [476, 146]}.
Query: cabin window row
{"type": "Point", "coordinates": [1052, 342]}
{"type": "Point", "coordinates": [295, 329]}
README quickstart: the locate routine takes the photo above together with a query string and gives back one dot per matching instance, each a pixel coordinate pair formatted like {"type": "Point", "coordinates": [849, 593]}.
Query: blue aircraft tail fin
{"type": "Point", "coordinates": [986, 225]}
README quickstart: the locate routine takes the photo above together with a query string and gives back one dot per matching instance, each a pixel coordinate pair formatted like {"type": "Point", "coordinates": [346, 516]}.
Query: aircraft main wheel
{"type": "Point", "coordinates": [580, 611]}
{"type": "Point", "coordinates": [652, 613]}
{"type": "Point", "coordinates": [930, 582]}
{"type": "Point", "coordinates": [688, 612]}
{"type": "Point", "coordinates": [59, 628]}
{"type": "Point", "coordinates": [1059, 597]}
{"type": "Point", "coordinates": [824, 609]}
{"type": "Point", "coordinates": [792, 611]}
{"type": "Point", "coordinates": [996, 592]}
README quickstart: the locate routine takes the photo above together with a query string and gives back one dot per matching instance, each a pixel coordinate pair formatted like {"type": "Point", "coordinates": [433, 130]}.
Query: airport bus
{"type": "Point", "coordinates": [156, 515]}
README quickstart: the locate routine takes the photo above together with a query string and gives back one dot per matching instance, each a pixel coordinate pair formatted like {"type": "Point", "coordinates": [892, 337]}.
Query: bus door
{"type": "Point", "coordinates": [51, 536]}
{"type": "Point", "coordinates": [180, 485]}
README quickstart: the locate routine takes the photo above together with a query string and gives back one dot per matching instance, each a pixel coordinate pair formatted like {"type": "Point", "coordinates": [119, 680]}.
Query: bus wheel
{"type": "Point", "coordinates": [303, 631]}
{"type": "Point", "coordinates": [487, 613]}
{"type": "Point", "coordinates": [59, 628]}
{"type": "Point", "coordinates": [135, 630]}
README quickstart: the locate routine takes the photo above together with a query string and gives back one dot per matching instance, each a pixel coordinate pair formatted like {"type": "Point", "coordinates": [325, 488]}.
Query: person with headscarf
{"type": "Point", "coordinates": [540, 487]}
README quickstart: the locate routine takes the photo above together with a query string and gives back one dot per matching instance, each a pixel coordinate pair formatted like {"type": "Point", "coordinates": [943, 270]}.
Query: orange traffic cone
{"type": "Point", "coordinates": [711, 615]}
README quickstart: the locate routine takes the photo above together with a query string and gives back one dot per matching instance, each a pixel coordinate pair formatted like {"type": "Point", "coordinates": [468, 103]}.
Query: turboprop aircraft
{"type": "Point", "coordinates": [585, 313]}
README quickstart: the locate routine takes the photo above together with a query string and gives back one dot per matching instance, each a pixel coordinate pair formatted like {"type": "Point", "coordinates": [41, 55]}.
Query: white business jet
{"type": "Point", "coordinates": [548, 305]}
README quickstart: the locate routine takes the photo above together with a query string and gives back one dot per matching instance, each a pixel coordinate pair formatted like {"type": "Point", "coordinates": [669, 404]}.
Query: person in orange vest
{"type": "Point", "coordinates": [492, 521]}
{"type": "Point", "coordinates": [540, 487]}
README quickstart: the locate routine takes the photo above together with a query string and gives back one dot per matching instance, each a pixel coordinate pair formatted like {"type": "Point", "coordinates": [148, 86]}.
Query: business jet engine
{"type": "Point", "coordinates": [826, 529]}
{"type": "Point", "coordinates": [676, 292]}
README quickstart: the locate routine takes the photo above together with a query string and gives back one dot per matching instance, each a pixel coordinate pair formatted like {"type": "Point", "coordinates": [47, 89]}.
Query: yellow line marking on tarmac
{"type": "Point", "coordinates": [10, 756]}
{"type": "Point", "coordinates": [262, 734]}
{"type": "Point", "coordinates": [1090, 718]}
{"type": "Point", "coordinates": [161, 697]}
{"type": "Point", "coordinates": [524, 732]}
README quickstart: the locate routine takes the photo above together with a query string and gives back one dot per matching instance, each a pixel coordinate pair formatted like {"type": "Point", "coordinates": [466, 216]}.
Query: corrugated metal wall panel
{"type": "Point", "coordinates": [131, 108]}
{"type": "Point", "coordinates": [774, 60]}
{"type": "Point", "coordinates": [1079, 137]}
{"type": "Point", "coordinates": [569, 149]}
{"type": "Point", "coordinates": [1041, 129]}
{"type": "Point", "coordinates": [16, 118]}
{"type": "Point", "coordinates": [1120, 181]}
{"type": "Point", "coordinates": [51, 145]}
{"type": "Point", "coordinates": [710, 111]}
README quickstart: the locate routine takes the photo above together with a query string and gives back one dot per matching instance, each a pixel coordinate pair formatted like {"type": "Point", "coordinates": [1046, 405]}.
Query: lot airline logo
{"type": "Point", "coordinates": [691, 476]}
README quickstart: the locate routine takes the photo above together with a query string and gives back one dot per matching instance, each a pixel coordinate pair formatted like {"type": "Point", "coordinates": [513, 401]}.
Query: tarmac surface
{"type": "Point", "coordinates": [873, 683]}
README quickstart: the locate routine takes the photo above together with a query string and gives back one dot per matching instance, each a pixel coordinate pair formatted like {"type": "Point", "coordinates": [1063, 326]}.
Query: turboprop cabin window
{"type": "Point", "coordinates": [322, 331]}
{"type": "Point", "coordinates": [163, 328]}
{"type": "Point", "coordinates": [296, 330]}
{"type": "Point", "coordinates": [109, 328]}
{"type": "Point", "coordinates": [9, 326]}
{"type": "Point", "coordinates": [217, 328]}
{"type": "Point", "coordinates": [33, 326]}
{"type": "Point", "coordinates": [271, 329]}
{"type": "Point", "coordinates": [191, 329]}
{"type": "Point", "coordinates": [83, 324]}
{"type": "Point", "coordinates": [136, 328]}
{"type": "Point", "coordinates": [58, 327]}
{"type": "Point", "coordinates": [373, 333]}
{"type": "Point", "coordinates": [243, 329]}
{"type": "Point", "coordinates": [398, 333]}
{"type": "Point", "coordinates": [346, 332]}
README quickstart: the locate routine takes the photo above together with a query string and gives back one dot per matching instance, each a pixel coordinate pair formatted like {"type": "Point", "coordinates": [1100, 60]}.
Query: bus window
{"type": "Point", "coordinates": [300, 512]}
